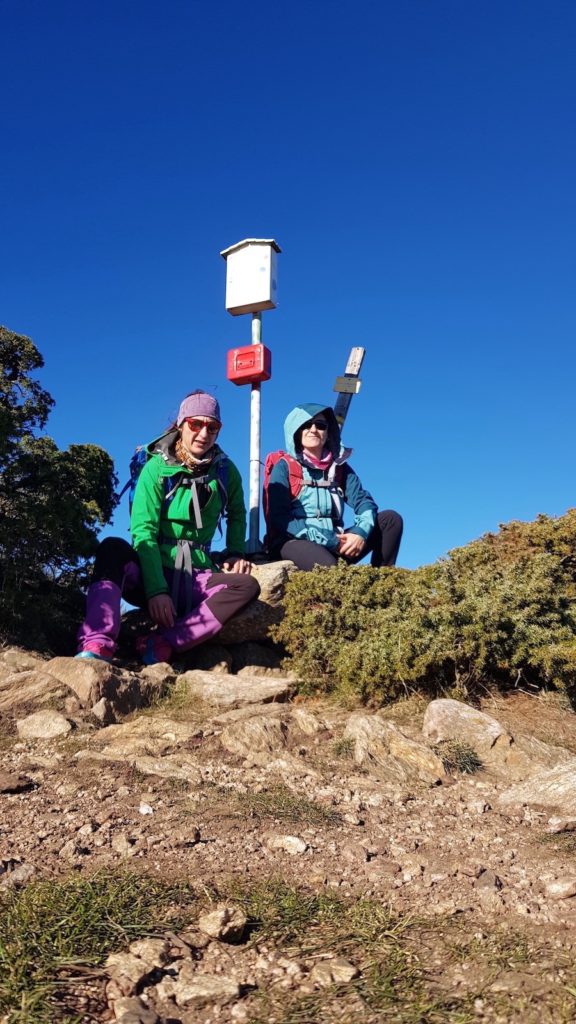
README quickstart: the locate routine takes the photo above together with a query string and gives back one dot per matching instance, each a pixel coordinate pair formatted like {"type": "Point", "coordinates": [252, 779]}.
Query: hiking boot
{"type": "Point", "coordinates": [153, 650]}
{"type": "Point", "coordinates": [98, 652]}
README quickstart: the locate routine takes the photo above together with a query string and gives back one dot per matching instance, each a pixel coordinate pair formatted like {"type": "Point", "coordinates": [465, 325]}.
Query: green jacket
{"type": "Point", "coordinates": [157, 524]}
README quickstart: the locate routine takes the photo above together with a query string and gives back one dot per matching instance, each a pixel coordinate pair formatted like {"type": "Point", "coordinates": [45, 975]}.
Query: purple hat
{"type": "Point", "coordinates": [199, 403]}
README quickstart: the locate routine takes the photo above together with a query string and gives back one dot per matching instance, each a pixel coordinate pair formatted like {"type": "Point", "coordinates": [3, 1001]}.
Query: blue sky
{"type": "Point", "coordinates": [415, 161]}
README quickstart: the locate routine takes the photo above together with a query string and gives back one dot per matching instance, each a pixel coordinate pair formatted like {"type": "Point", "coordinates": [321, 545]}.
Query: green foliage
{"type": "Point", "coordinates": [500, 610]}
{"type": "Point", "coordinates": [52, 504]}
{"type": "Point", "coordinates": [51, 926]}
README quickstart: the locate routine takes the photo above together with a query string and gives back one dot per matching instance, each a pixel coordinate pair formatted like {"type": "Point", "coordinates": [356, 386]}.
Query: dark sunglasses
{"type": "Point", "coordinates": [197, 425]}
{"type": "Point", "coordinates": [319, 424]}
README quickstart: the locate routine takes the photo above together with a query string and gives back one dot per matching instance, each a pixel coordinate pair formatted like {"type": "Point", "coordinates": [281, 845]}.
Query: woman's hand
{"type": "Point", "coordinates": [237, 565]}
{"type": "Point", "coordinates": [162, 610]}
{"type": "Point", "coordinates": [350, 545]}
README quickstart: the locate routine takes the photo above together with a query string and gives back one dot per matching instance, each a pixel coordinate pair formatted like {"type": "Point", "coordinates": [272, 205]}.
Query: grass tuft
{"type": "Point", "coordinates": [458, 757]}
{"type": "Point", "coordinates": [281, 803]}
{"type": "Point", "coordinates": [50, 927]}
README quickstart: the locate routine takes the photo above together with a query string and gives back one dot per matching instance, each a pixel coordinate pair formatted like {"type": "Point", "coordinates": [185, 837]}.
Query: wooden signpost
{"type": "Point", "coordinates": [349, 384]}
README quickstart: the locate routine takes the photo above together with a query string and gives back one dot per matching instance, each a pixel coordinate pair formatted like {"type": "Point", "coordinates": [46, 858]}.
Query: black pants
{"type": "Point", "coordinates": [383, 542]}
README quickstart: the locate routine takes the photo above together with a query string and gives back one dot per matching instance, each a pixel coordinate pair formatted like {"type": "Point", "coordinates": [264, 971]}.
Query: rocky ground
{"type": "Point", "coordinates": [414, 863]}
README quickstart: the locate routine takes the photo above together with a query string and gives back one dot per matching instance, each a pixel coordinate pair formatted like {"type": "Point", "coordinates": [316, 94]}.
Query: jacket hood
{"type": "Point", "coordinates": [300, 415]}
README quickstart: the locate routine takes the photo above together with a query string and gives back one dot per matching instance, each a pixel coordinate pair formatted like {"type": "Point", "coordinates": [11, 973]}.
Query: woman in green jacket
{"type": "Point", "coordinates": [183, 490]}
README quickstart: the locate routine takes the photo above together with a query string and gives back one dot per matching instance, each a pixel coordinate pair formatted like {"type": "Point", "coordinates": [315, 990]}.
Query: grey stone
{"type": "Point", "coordinates": [93, 680]}
{"type": "Point", "coordinates": [35, 686]}
{"type": "Point", "coordinates": [43, 725]}
{"type": "Point", "coordinates": [382, 748]}
{"type": "Point", "coordinates": [453, 720]}
{"type": "Point", "coordinates": [226, 923]}
{"type": "Point", "coordinates": [229, 691]}
{"type": "Point", "coordinates": [334, 972]}
{"type": "Point", "coordinates": [133, 1010]}
{"type": "Point", "coordinates": [293, 845]}
{"type": "Point", "coordinates": [254, 621]}
{"type": "Point", "coordinates": [11, 783]}
{"type": "Point", "coordinates": [554, 789]}
{"type": "Point", "coordinates": [192, 988]}
{"type": "Point", "coordinates": [256, 735]}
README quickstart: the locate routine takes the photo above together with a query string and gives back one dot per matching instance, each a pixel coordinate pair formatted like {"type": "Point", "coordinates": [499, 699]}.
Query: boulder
{"type": "Point", "coordinates": [254, 621]}
{"type": "Point", "coordinates": [453, 720]}
{"type": "Point", "coordinates": [256, 735]}
{"type": "Point", "coordinates": [223, 690]}
{"type": "Point", "coordinates": [43, 725]}
{"type": "Point", "coordinates": [554, 789]}
{"type": "Point", "coordinates": [93, 680]}
{"type": "Point", "coordinates": [31, 687]}
{"type": "Point", "coordinates": [386, 752]}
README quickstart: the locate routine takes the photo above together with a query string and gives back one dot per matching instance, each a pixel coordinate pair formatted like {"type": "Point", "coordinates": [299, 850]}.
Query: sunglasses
{"type": "Point", "coordinates": [319, 424]}
{"type": "Point", "coordinates": [197, 425]}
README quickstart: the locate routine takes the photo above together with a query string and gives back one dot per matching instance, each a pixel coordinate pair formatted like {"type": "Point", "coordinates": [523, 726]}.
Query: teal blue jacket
{"type": "Point", "coordinates": [317, 513]}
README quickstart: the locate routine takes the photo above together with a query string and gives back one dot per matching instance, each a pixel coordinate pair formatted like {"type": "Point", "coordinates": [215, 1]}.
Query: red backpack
{"type": "Point", "coordinates": [295, 483]}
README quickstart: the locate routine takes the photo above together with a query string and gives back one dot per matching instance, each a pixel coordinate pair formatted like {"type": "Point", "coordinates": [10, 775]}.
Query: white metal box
{"type": "Point", "coordinates": [251, 275]}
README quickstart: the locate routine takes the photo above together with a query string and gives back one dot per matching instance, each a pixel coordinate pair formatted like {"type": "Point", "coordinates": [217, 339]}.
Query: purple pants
{"type": "Point", "coordinates": [214, 598]}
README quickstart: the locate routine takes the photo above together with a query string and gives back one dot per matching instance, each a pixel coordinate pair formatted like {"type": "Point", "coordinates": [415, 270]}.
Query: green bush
{"type": "Point", "coordinates": [499, 611]}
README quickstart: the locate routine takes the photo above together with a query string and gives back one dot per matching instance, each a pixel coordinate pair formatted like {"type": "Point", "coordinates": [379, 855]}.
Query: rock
{"type": "Point", "coordinates": [93, 680]}
{"type": "Point", "coordinates": [226, 923]}
{"type": "Point", "coordinates": [129, 969]}
{"type": "Point", "coordinates": [334, 972]}
{"type": "Point", "coordinates": [256, 735]}
{"type": "Point", "coordinates": [43, 725]}
{"type": "Point", "coordinates": [133, 1010]}
{"type": "Point", "coordinates": [254, 621]}
{"type": "Point", "coordinates": [307, 722]}
{"type": "Point", "coordinates": [288, 844]}
{"type": "Point", "coordinates": [562, 889]}
{"type": "Point", "coordinates": [210, 658]}
{"type": "Point", "coordinates": [453, 720]}
{"type": "Point", "coordinates": [10, 783]}
{"type": "Point", "coordinates": [153, 735]}
{"type": "Point", "coordinates": [384, 750]}
{"type": "Point", "coordinates": [488, 880]}
{"type": "Point", "coordinates": [19, 875]}
{"type": "Point", "coordinates": [103, 712]}
{"type": "Point", "coordinates": [228, 691]}
{"type": "Point", "coordinates": [15, 660]}
{"type": "Point", "coordinates": [17, 689]}
{"type": "Point", "coordinates": [191, 988]}
{"type": "Point", "coordinates": [553, 789]}
{"type": "Point", "coordinates": [255, 659]}
{"type": "Point", "coordinates": [558, 825]}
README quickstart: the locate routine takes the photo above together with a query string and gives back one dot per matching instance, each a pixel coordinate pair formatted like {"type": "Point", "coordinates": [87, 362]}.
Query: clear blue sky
{"type": "Point", "coordinates": [416, 162]}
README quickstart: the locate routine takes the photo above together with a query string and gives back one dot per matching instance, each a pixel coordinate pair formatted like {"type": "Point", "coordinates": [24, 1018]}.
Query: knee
{"type": "Point", "coordinates": [390, 520]}
{"type": "Point", "coordinates": [250, 587]}
{"type": "Point", "coordinates": [112, 555]}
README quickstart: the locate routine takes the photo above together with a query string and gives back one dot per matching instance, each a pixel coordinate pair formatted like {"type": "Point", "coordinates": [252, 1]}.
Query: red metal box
{"type": "Point", "coordinates": [249, 365]}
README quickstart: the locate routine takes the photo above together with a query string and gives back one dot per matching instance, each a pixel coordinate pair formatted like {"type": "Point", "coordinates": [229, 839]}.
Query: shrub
{"type": "Point", "coordinates": [500, 610]}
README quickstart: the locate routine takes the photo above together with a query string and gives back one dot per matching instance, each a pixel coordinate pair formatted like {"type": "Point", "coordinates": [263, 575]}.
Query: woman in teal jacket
{"type": "Point", "coordinates": [183, 491]}
{"type": "Point", "coordinates": [308, 528]}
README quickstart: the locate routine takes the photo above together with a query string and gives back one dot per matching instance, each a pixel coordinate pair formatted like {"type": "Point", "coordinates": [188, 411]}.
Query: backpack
{"type": "Point", "coordinates": [172, 483]}
{"type": "Point", "coordinates": [295, 484]}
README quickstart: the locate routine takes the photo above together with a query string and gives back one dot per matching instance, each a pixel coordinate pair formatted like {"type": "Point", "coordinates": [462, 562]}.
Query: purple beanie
{"type": "Point", "coordinates": [199, 403]}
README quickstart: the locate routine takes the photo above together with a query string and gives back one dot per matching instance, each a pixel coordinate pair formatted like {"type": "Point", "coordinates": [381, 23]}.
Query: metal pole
{"type": "Point", "coordinates": [255, 419]}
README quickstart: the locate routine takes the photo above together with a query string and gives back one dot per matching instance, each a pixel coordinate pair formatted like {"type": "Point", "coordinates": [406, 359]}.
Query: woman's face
{"type": "Point", "coordinates": [314, 434]}
{"type": "Point", "coordinates": [199, 434]}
